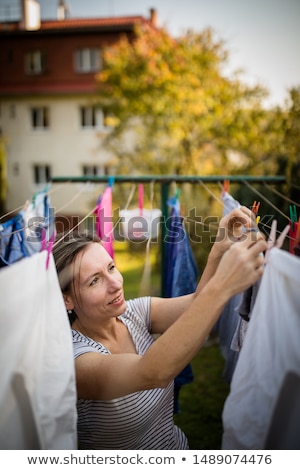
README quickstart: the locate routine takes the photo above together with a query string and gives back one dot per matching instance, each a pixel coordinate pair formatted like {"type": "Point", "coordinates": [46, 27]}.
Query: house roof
{"type": "Point", "coordinates": [70, 24]}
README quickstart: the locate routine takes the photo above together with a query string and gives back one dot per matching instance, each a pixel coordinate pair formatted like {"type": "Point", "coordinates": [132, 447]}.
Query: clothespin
{"type": "Point", "coordinates": [272, 242]}
{"type": "Point", "coordinates": [254, 208]}
{"type": "Point", "coordinates": [177, 192]}
{"type": "Point", "coordinates": [226, 184]}
{"type": "Point", "coordinates": [33, 199]}
{"type": "Point", "coordinates": [48, 245]}
{"type": "Point", "coordinates": [293, 215]}
{"type": "Point", "coordinates": [141, 198]}
{"type": "Point", "coordinates": [111, 181]}
{"type": "Point", "coordinates": [297, 238]}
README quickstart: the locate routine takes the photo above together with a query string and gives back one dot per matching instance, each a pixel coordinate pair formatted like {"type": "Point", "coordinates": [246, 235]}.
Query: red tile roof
{"type": "Point", "coordinates": [81, 23]}
{"type": "Point", "coordinates": [88, 22]}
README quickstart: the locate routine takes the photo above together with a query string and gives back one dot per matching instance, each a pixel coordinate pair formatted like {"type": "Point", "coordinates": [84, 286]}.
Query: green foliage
{"type": "Point", "coordinates": [173, 109]}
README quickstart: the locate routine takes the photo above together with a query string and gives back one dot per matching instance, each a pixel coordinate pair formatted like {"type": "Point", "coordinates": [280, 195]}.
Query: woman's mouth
{"type": "Point", "coordinates": [116, 300]}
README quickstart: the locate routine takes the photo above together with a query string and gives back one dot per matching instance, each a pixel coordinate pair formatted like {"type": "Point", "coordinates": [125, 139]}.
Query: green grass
{"type": "Point", "coordinates": [202, 401]}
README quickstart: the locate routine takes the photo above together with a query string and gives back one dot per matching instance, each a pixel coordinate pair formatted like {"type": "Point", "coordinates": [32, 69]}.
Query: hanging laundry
{"type": "Point", "coordinates": [181, 276]}
{"type": "Point", "coordinates": [104, 220]}
{"type": "Point", "coordinates": [140, 224]}
{"type": "Point", "coordinates": [270, 350]}
{"type": "Point", "coordinates": [39, 221]}
{"type": "Point", "coordinates": [37, 386]}
{"type": "Point", "coordinates": [229, 320]}
{"type": "Point", "coordinates": [12, 241]}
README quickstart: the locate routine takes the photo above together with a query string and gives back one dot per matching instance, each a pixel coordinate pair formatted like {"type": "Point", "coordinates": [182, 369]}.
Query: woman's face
{"type": "Point", "coordinates": [98, 285]}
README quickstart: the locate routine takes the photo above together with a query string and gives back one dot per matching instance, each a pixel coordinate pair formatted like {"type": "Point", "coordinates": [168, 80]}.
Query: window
{"type": "Point", "coordinates": [88, 116]}
{"type": "Point", "coordinates": [95, 170]}
{"type": "Point", "coordinates": [34, 62]}
{"type": "Point", "coordinates": [88, 60]}
{"type": "Point", "coordinates": [42, 174]}
{"type": "Point", "coordinates": [40, 117]}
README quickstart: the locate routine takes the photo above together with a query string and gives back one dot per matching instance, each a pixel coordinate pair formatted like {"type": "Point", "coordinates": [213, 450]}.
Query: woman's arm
{"type": "Point", "coordinates": [105, 377]}
{"type": "Point", "coordinates": [165, 311]}
{"type": "Point", "coordinates": [229, 230]}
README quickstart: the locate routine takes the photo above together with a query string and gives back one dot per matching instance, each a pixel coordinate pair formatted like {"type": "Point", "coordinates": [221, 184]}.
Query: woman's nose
{"type": "Point", "coordinates": [115, 282]}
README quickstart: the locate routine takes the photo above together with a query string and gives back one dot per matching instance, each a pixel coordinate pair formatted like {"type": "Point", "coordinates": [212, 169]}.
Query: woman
{"type": "Point", "coordinates": [125, 378]}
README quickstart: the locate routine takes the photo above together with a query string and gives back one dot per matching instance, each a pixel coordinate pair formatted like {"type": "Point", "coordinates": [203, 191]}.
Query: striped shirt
{"type": "Point", "coordinates": [141, 420]}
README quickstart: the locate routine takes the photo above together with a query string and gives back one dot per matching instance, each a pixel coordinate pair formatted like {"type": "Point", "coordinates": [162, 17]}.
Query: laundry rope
{"type": "Point", "coordinates": [265, 199]}
{"type": "Point", "coordinates": [281, 195]}
{"type": "Point", "coordinates": [73, 228]}
{"type": "Point", "coordinates": [214, 225]}
{"type": "Point", "coordinates": [219, 200]}
{"type": "Point", "coordinates": [76, 196]}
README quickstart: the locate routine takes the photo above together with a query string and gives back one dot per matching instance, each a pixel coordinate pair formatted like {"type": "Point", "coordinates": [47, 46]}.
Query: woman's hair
{"type": "Point", "coordinates": [65, 251]}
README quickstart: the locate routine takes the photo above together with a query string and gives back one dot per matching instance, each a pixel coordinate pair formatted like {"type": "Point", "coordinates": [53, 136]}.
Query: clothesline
{"type": "Point", "coordinates": [194, 179]}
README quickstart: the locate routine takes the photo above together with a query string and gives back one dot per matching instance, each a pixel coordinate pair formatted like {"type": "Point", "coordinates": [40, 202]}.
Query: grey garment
{"type": "Point", "coordinates": [225, 328]}
{"type": "Point", "coordinates": [249, 296]}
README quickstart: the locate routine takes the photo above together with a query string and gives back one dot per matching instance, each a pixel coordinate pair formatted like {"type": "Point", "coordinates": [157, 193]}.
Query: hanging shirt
{"type": "Point", "coordinates": [270, 350]}
{"type": "Point", "coordinates": [12, 241]}
{"type": "Point", "coordinates": [37, 386]}
{"type": "Point", "coordinates": [39, 221]}
{"type": "Point", "coordinates": [181, 276]}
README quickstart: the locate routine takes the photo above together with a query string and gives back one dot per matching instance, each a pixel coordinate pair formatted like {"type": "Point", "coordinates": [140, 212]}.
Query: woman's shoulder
{"type": "Point", "coordinates": [138, 304]}
{"type": "Point", "coordinates": [83, 344]}
{"type": "Point", "coordinates": [138, 310]}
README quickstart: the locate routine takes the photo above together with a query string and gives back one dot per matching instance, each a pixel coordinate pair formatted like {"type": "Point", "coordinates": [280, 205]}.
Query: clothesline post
{"type": "Point", "coordinates": [165, 181]}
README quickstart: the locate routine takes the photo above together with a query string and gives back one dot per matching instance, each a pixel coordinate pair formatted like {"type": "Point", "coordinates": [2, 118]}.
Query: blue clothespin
{"type": "Point", "coordinates": [111, 181]}
{"type": "Point", "coordinates": [293, 215]}
{"type": "Point", "coordinates": [177, 193]}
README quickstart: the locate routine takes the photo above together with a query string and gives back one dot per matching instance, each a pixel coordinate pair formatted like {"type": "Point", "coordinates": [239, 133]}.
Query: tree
{"type": "Point", "coordinates": [173, 109]}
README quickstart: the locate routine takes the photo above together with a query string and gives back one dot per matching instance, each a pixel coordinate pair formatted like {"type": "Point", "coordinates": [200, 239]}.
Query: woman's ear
{"type": "Point", "coordinates": [68, 302]}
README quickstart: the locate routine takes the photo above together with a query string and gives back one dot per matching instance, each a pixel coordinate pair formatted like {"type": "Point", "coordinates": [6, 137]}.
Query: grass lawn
{"type": "Point", "coordinates": [201, 402]}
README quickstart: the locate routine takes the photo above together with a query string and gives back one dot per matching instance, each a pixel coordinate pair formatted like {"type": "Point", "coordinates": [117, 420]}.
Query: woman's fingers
{"type": "Point", "coordinates": [242, 265]}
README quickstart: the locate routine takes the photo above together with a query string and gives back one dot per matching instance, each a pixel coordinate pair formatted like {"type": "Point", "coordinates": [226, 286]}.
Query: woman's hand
{"type": "Point", "coordinates": [231, 229]}
{"type": "Point", "coordinates": [242, 264]}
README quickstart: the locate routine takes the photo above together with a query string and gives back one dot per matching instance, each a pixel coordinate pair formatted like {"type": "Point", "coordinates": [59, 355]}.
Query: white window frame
{"type": "Point", "coordinates": [34, 62]}
{"type": "Point", "coordinates": [39, 117]}
{"type": "Point", "coordinates": [94, 170]}
{"type": "Point", "coordinates": [89, 117]}
{"type": "Point", "coordinates": [88, 60]}
{"type": "Point", "coordinates": [41, 173]}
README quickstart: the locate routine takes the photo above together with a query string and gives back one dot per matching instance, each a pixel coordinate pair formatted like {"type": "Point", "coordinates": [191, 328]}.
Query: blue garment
{"type": "Point", "coordinates": [182, 274]}
{"type": "Point", "coordinates": [12, 246]}
{"type": "Point", "coordinates": [39, 220]}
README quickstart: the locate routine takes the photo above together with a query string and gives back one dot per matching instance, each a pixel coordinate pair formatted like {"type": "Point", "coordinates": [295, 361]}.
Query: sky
{"type": "Point", "coordinates": [261, 36]}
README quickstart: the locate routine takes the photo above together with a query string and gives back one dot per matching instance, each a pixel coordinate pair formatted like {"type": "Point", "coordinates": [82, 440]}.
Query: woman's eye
{"type": "Point", "coordinates": [112, 267]}
{"type": "Point", "coordinates": [94, 281]}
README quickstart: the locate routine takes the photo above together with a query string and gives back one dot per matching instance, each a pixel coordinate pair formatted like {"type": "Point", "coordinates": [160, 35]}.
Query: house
{"type": "Point", "coordinates": [48, 116]}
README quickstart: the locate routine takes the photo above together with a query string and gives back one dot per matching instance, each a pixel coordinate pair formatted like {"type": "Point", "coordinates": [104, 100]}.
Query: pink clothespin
{"type": "Point", "coordinates": [272, 242]}
{"type": "Point", "coordinates": [141, 199]}
{"type": "Point", "coordinates": [48, 245]}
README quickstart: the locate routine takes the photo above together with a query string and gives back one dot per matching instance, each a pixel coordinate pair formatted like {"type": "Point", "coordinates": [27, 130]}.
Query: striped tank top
{"type": "Point", "coordinates": [141, 420]}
